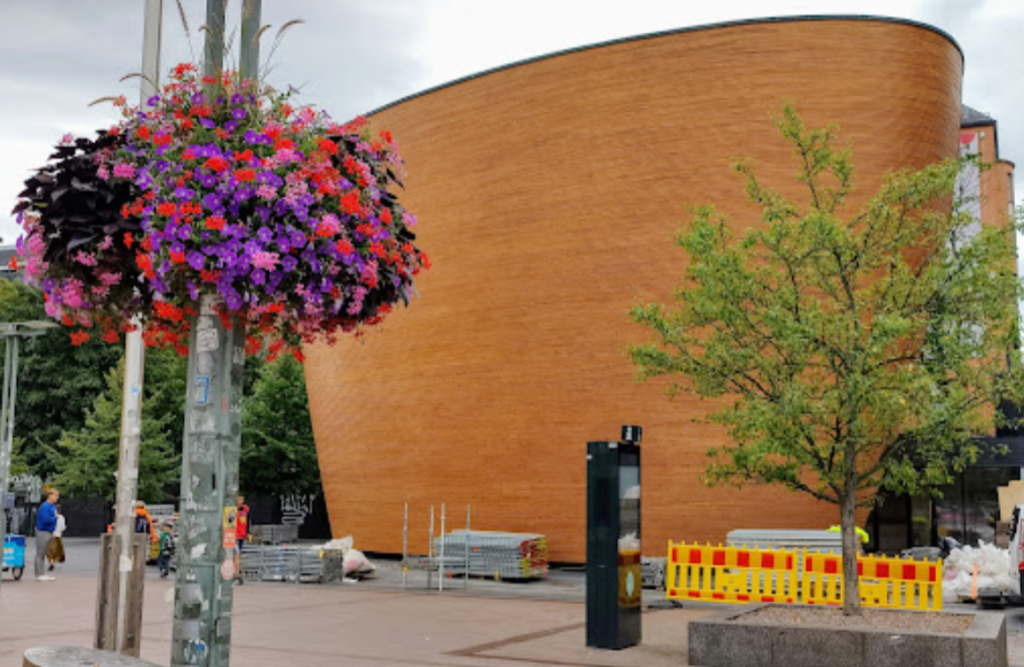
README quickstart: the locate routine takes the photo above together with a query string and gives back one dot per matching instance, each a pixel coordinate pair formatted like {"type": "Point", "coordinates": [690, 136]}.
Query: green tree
{"type": "Point", "coordinates": [278, 452]}
{"type": "Point", "coordinates": [87, 459]}
{"type": "Point", "coordinates": [57, 382]}
{"type": "Point", "coordinates": [853, 350]}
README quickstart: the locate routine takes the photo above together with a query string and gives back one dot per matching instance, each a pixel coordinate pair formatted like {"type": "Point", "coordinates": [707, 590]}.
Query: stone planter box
{"type": "Point", "coordinates": [727, 640]}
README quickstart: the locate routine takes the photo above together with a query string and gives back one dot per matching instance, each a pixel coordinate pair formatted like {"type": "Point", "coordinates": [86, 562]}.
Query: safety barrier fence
{"type": "Point", "coordinates": [740, 574]}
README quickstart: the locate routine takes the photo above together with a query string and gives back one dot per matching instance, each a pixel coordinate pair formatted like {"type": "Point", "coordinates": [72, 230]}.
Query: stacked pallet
{"type": "Point", "coordinates": [494, 554]}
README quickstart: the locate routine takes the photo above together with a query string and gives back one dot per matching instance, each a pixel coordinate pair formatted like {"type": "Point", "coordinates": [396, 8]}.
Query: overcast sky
{"type": "Point", "coordinates": [352, 56]}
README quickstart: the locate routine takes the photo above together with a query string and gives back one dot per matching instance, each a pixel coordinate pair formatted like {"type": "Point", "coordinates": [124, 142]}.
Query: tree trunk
{"type": "Point", "coordinates": [851, 582]}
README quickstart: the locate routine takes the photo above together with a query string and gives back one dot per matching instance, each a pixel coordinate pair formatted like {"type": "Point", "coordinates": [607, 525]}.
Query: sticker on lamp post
{"type": "Point", "coordinates": [202, 390]}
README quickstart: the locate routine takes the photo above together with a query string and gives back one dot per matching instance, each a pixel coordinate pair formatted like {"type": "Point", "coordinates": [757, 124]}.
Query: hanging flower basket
{"type": "Point", "coordinates": [221, 187]}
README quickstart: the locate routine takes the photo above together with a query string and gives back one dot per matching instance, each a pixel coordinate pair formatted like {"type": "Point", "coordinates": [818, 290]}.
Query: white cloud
{"type": "Point", "coordinates": [57, 55]}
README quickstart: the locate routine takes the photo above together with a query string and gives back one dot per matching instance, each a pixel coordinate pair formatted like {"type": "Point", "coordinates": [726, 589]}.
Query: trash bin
{"type": "Point", "coordinates": [14, 555]}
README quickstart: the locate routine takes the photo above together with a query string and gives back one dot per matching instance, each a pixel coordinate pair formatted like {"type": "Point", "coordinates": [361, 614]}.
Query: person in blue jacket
{"type": "Point", "coordinates": [46, 523]}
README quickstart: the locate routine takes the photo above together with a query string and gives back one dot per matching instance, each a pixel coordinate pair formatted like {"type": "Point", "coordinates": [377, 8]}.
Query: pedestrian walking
{"type": "Point", "coordinates": [241, 534]}
{"type": "Point", "coordinates": [167, 549]}
{"type": "Point", "coordinates": [55, 552]}
{"type": "Point", "coordinates": [46, 523]}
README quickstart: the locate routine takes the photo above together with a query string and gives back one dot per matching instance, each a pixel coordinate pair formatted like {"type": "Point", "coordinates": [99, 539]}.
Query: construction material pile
{"type": "Point", "coordinates": [342, 561]}
{"type": "Point", "coordinates": [271, 562]}
{"type": "Point", "coordinates": [494, 554]}
{"type": "Point", "coordinates": [993, 567]}
{"type": "Point", "coordinates": [273, 533]}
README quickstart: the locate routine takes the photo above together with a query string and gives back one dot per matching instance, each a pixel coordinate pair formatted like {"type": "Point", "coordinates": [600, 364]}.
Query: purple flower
{"type": "Point", "coordinates": [207, 123]}
{"type": "Point", "coordinates": [152, 101]}
{"type": "Point", "coordinates": [177, 247]}
{"type": "Point", "coordinates": [237, 99]}
{"type": "Point", "coordinates": [192, 291]}
{"type": "Point", "coordinates": [259, 277]}
{"type": "Point", "coordinates": [265, 234]}
{"type": "Point", "coordinates": [238, 114]}
{"type": "Point", "coordinates": [184, 193]}
{"type": "Point", "coordinates": [288, 263]}
{"type": "Point", "coordinates": [185, 232]}
{"type": "Point", "coordinates": [198, 98]}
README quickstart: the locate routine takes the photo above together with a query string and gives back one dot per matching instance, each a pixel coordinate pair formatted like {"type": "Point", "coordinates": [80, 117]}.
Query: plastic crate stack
{"type": "Point", "coordinates": [495, 554]}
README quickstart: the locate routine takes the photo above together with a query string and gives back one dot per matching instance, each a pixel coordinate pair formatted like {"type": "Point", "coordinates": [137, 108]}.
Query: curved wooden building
{"type": "Point", "coordinates": [547, 194]}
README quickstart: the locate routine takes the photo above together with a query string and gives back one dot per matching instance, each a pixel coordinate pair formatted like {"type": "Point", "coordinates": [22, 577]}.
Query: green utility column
{"type": "Point", "coordinates": [209, 487]}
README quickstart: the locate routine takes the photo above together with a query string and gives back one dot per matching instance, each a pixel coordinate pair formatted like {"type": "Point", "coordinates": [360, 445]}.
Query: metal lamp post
{"type": "Point", "coordinates": [11, 332]}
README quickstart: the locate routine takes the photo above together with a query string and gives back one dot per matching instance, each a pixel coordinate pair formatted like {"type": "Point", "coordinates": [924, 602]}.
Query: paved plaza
{"type": "Point", "coordinates": [490, 624]}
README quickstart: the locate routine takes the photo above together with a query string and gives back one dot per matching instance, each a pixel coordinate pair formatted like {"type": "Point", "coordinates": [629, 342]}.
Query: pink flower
{"type": "Point", "coordinates": [83, 258]}
{"type": "Point", "coordinates": [265, 260]}
{"type": "Point", "coordinates": [71, 293]}
{"type": "Point", "coordinates": [124, 170]}
{"type": "Point", "coordinates": [266, 192]}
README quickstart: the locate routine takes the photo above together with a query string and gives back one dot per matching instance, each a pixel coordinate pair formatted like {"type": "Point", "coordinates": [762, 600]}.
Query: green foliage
{"type": "Point", "coordinates": [854, 349]}
{"type": "Point", "coordinates": [57, 382]}
{"type": "Point", "coordinates": [88, 459]}
{"type": "Point", "coordinates": [278, 452]}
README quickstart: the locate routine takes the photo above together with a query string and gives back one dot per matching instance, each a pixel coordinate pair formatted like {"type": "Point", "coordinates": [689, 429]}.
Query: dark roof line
{"type": "Point", "coordinates": [971, 117]}
{"type": "Point", "coordinates": [675, 31]}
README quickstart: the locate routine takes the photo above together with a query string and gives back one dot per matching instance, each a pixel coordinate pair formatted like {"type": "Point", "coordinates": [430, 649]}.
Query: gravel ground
{"type": "Point", "coordinates": [871, 619]}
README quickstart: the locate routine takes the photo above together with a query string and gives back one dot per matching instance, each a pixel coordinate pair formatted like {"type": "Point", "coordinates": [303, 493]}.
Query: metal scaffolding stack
{"type": "Point", "coordinates": [281, 563]}
{"type": "Point", "coordinates": [494, 554]}
{"type": "Point", "coordinates": [273, 533]}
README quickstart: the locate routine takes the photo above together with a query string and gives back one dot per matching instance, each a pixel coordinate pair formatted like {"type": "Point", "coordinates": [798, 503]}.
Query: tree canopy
{"type": "Point", "coordinates": [852, 348]}
{"type": "Point", "coordinates": [278, 452]}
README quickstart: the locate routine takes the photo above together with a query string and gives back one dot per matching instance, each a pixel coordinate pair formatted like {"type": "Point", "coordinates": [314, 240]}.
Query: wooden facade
{"type": "Point", "coordinates": [547, 194]}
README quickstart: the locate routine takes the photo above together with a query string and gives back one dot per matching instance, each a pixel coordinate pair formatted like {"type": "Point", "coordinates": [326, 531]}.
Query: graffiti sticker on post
{"type": "Point", "coordinates": [230, 527]}
{"type": "Point", "coordinates": [202, 390]}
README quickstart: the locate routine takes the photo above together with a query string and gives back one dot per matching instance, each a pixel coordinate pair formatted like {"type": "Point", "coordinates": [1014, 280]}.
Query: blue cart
{"type": "Point", "coordinates": [14, 555]}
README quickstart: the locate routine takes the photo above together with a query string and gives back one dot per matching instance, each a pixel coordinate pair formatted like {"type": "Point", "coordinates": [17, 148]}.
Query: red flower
{"type": "Point", "coordinates": [142, 132]}
{"type": "Point", "coordinates": [214, 222]}
{"type": "Point", "coordinates": [110, 336]}
{"type": "Point", "coordinates": [166, 208]}
{"type": "Point", "coordinates": [188, 154]}
{"type": "Point", "coordinates": [79, 337]}
{"type": "Point", "coordinates": [344, 247]}
{"type": "Point", "coordinates": [128, 239]}
{"type": "Point", "coordinates": [13, 264]}
{"type": "Point", "coordinates": [216, 164]}
{"type": "Point", "coordinates": [350, 203]}
{"type": "Point", "coordinates": [329, 146]}
{"type": "Point", "coordinates": [244, 156]}
{"type": "Point", "coordinates": [162, 139]}
{"type": "Point", "coordinates": [245, 175]}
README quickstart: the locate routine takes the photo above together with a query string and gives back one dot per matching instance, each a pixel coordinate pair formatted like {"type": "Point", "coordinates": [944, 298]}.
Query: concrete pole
{"type": "Point", "coordinates": [134, 367]}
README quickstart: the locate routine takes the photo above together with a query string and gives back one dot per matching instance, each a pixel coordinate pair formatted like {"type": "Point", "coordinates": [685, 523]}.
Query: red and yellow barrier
{"type": "Point", "coordinates": [730, 574]}
{"type": "Point", "coordinates": [740, 574]}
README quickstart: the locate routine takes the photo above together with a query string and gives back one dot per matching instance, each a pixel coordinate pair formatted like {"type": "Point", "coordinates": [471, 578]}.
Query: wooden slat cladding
{"type": "Point", "coordinates": [547, 195]}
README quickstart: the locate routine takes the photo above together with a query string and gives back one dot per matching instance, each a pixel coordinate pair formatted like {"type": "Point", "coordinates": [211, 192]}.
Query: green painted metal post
{"type": "Point", "coordinates": [212, 445]}
{"type": "Point", "coordinates": [249, 57]}
{"type": "Point", "coordinates": [209, 487]}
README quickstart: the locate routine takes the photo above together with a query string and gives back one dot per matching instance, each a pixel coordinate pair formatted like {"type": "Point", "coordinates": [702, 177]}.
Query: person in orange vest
{"type": "Point", "coordinates": [144, 522]}
{"type": "Point", "coordinates": [241, 533]}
